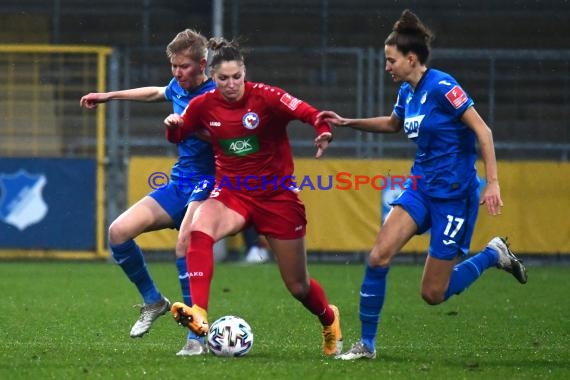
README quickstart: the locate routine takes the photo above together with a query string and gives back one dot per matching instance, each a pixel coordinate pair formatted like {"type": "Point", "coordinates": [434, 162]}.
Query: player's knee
{"type": "Point", "coordinates": [298, 290]}
{"type": "Point", "coordinates": [378, 259]}
{"type": "Point", "coordinates": [181, 247]}
{"type": "Point", "coordinates": [117, 233]}
{"type": "Point", "coordinates": [432, 297]}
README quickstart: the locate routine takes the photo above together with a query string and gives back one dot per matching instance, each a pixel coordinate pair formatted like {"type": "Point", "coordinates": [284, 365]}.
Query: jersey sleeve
{"type": "Point", "coordinates": [191, 122]}
{"type": "Point", "coordinates": [168, 92]}
{"type": "Point", "coordinates": [400, 105]}
{"type": "Point", "coordinates": [295, 109]}
{"type": "Point", "coordinates": [452, 97]}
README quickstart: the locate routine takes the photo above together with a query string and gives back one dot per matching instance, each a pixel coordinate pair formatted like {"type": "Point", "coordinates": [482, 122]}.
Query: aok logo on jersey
{"type": "Point", "coordinates": [412, 126]}
{"type": "Point", "coordinates": [241, 146]}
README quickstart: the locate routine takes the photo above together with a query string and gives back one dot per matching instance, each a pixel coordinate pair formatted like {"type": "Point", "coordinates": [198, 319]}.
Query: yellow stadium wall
{"type": "Point", "coordinates": [536, 197]}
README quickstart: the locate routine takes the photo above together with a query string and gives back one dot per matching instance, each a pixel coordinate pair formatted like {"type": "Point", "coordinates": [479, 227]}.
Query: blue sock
{"type": "Point", "coordinates": [466, 272]}
{"type": "Point", "coordinates": [184, 280]}
{"type": "Point", "coordinates": [372, 294]}
{"type": "Point", "coordinates": [191, 335]}
{"type": "Point", "coordinates": [185, 287]}
{"type": "Point", "coordinates": [129, 256]}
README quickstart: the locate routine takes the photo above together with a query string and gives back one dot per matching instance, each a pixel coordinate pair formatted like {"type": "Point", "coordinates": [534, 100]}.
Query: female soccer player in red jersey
{"type": "Point", "coordinates": [247, 125]}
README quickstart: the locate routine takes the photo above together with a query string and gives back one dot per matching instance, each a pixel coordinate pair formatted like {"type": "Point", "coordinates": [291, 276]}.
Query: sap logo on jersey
{"type": "Point", "coordinates": [412, 126]}
{"type": "Point", "coordinates": [250, 120]}
{"type": "Point", "coordinates": [21, 201]}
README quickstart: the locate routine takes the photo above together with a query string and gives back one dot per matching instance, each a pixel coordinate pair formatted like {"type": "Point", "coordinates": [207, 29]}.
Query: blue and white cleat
{"type": "Point", "coordinates": [357, 351]}
{"type": "Point", "coordinates": [149, 313]}
{"type": "Point", "coordinates": [507, 259]}
{"type": "Point", "coordinates": [194, 347]}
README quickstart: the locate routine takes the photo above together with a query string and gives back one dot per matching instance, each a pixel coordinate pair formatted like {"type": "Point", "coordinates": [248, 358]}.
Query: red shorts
{"type": "Point", "coordinates": [279, 215]}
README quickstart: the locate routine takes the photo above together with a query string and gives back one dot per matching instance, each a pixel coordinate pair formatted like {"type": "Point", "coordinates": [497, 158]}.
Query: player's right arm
{"type": "Point", "coordinates": [141, 94]}
{"type": "Point", "coordinates": [179, 127]}
{"type": "Point", "coordinates": [380, 124]}
{"type": "Point", "coordinates": [174, 124]}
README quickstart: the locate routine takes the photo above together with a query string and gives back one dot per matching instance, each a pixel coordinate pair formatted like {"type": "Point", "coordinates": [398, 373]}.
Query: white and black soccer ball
{"type": "Point", "coordinates": [230, 336]}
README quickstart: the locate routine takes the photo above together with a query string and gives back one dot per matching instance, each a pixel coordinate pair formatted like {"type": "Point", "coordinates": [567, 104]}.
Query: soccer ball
{"type": "Point", "coordinates": [230, 336]}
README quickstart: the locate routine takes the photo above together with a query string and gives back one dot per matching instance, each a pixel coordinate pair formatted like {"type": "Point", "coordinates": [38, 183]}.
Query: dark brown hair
{"type": "Point", "coordinates": [223, 51]}
{"type": "Point", "coordinates": [409, 34]}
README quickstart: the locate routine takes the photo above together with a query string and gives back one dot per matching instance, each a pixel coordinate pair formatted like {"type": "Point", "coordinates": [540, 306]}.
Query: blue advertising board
{"type": "Point", "coordinates": [47, 203]}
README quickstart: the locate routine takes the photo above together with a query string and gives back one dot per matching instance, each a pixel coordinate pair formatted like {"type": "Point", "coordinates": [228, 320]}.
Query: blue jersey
{"type": "Point", "coordinates": [446, 154]}
{"type": "Point", "coordinates": [195, 156]}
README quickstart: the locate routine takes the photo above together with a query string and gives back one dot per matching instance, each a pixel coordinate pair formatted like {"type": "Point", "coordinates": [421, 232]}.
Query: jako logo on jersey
{"type": "Point", "coordinates": [290, 101]}
{"type": "Point", "coordinates": [21, 202]}
{"type": "Point", "coordinates": [412, 126]}
{"type": "Point", "coordinates": [456, 97]}
{"type": "Point", "coordinates": [215, 124]}
{"type": "Point", "coordinates": [241, 146]}
{"type": "Point", "coordinates": [250, 120]}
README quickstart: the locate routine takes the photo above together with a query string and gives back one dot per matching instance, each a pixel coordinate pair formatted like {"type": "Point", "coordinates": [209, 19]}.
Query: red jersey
{"type": "Point", "coordinates": [249, 137]}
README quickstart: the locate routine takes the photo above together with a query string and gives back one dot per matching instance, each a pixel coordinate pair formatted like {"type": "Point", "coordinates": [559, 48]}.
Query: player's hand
{"type": "Point", "coordinates": [332, 118]}
{"type": "Point", "coordinates": [491, 198]}
{"type": "Point", "coordinates": [91, 100]}
{"type": "Point", "coordinates": [322, 142]}
{"type": "Point", "coordinates": [173, 121]}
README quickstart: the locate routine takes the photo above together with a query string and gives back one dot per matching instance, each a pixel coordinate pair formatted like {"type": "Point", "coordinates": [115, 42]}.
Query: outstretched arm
{"type": "Point", "coordinates": [380, 124]}
{"type": "Point", "coordinates": [141, 94]}
{"type": "Point", "coordinates": [491, 196]}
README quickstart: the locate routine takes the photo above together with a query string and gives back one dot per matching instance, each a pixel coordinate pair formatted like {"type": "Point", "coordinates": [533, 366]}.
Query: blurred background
{"type": "Point", "coordinates": [82, 168]}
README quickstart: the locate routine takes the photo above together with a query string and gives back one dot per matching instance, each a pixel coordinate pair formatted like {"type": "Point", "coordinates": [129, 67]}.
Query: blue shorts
{"type": "Point", "coordinates": [452, 221]}
{"type": "Point", "coordinates": [174, 198]}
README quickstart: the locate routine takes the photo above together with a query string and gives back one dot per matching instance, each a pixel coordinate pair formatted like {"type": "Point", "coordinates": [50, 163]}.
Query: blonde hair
{"type": "Point", "coordinates": [191, 41]}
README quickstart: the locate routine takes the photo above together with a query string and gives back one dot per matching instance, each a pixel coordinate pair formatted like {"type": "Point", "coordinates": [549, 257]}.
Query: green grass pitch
{"type": "Point", "coordinates": [72, 320]}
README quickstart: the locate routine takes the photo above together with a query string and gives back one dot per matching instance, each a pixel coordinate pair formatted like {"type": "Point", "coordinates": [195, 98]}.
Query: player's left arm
{"type": "Point", "coordinates": [491, 196]}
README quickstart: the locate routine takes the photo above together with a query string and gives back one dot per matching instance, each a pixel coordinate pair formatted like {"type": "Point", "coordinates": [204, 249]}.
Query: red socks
{"type": "Point", "coordinates": [316, 302]}
{"type": "Point", "coordinates": [200, 264]}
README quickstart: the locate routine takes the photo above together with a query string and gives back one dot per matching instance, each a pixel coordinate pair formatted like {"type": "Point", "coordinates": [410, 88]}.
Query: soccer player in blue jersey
{"type": "Point", "coordinates": [439, 117]}
{"type": "Point", "coordinates": [173, 205]}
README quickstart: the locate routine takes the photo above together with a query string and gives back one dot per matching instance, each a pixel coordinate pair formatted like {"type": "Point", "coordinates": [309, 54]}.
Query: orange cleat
{"type": "Point", "coordinates": [332, 336]}
{"type": "Point", "coordinates": [194, 318]}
